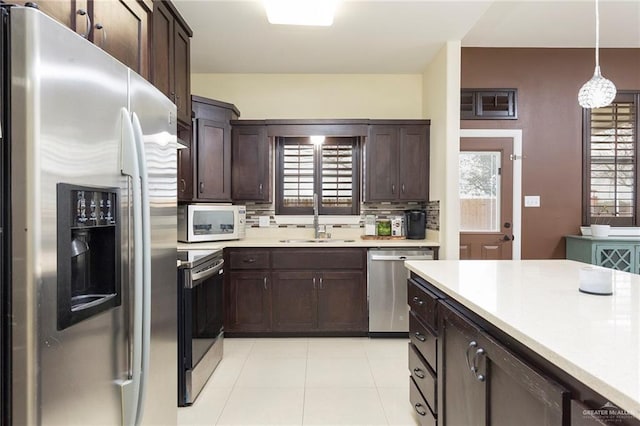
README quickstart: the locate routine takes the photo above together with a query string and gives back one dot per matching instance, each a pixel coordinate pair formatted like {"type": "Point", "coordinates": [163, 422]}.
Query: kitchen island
{"type": "Point", "coordinates": [587, 345]}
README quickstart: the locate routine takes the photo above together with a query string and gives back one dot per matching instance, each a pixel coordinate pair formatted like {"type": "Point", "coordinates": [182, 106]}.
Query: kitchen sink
{"type": "Point", "coordinates": [317, 240]}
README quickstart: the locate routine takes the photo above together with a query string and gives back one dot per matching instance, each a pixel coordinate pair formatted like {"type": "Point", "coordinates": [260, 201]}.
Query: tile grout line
{"type": "Point", "coordinates": [226, 401]}
{"type": "Point", "coordinates": [384, 411]}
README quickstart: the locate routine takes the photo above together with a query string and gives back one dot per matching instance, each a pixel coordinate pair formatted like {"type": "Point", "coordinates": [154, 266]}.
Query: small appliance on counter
{"type": "Point", "coordinates": [211, 222]}
{"type": "Point", "coordinates": [415, 221]}
{"type": "Point", "coordinates": [397, 226]}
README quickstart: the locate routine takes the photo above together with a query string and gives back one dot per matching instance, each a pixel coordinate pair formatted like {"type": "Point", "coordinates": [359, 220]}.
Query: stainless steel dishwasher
{"type": "Point", "coordinates": [387, 287]}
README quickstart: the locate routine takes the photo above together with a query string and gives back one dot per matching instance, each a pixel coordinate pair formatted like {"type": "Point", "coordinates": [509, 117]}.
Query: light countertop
{"type": "Point", "coordinates": [270, 237]}
{"type": "Point", "coordinates": [596, 339]}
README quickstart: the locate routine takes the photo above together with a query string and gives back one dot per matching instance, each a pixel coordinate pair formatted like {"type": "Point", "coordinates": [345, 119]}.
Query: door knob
{"type": "Point", "coordinates": [506, 238]}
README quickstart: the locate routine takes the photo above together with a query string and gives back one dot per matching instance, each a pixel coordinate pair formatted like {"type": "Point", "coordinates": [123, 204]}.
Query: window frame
{"type": "Point", "coordinates": [587, 219]}
{"type": "Point", "coordinates": [281, 209]}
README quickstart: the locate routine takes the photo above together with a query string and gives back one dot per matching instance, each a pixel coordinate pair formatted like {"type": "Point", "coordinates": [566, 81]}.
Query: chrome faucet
{"type": "Point", "coordinates": [316, 226]}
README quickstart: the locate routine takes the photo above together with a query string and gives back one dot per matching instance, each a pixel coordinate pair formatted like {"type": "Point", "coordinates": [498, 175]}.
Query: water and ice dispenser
{"type": "Point", "coordinates": [88, 252]}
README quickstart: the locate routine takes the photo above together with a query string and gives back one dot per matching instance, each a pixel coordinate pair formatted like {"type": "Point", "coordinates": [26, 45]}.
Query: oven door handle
{"type": "Point", "coordinates": [201, 276]}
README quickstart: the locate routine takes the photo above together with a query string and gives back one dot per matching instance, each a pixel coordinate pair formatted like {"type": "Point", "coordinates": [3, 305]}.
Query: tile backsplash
{"type": "Point", "coordinates": [381, 210]}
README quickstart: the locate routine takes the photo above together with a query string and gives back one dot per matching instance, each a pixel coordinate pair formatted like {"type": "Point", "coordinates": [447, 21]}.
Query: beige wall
{"type": "Point", "coordinates": [261, 96]}
{"type": "Point", "coordinates": [441, 104]}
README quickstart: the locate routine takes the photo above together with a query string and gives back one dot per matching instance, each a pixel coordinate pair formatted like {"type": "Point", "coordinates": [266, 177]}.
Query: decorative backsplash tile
{"type": "Point", "coordinates": [381, 210]}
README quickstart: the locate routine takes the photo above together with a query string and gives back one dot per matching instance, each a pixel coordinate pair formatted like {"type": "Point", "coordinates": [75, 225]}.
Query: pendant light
{"type": "Point", "coordinates": [597, 92]}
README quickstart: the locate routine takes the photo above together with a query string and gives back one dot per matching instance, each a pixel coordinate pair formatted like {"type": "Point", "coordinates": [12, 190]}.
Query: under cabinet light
{"type": "Point", "coordinates": [301, 12]}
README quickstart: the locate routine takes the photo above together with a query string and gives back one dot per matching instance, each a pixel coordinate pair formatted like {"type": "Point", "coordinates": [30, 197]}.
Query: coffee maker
{"type": "Point", "coordinates": [415, 222]}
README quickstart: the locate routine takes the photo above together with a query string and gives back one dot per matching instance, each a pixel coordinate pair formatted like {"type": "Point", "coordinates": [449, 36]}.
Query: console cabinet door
{"type": "Point", "coordinates": [294, 301]}
{"type": "Point", "coordinates": [342, 301]}
{"type": "Point", "coordinates": [248, 301]}
{"type": "Point", "coordinates": [214, 160]}
{"type": "Point", "coordinates": [250, 164]}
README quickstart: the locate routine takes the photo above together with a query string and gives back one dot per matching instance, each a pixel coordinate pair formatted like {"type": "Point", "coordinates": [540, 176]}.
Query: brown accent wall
{"type": "Point", "coordinates": [548, 81]}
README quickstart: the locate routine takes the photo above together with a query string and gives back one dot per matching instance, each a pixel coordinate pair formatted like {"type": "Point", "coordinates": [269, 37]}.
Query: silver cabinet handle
{"type": "Point", "coordinates": [476, 357]}
{"type": "Point", "coordinates": [418, 301]}
{"type": "Point", "coordinates": [184, 185]}
{"type": "Point", "coordinates": [314, 283]}
{"type": "Point", "coordinates": [472, 345]}
{"type": "Point", "coordinates": [403, 188]}
{"type": "Point", "coordinates": [104, 32]}
{"type": "Point", "coordinates": [260, 189]}
{"type": "Point", "coordinates": [264, 281]}
{"type": "Point", "coordinates": [419, 373]}
{"type": "Point", "coordinates": [393, 188]}
{"type": "Point", "coordinates": [83, 12]}
{"type": "Point", "coordinates": [178, 102]}
{"type": "Point", "coordinates": [419, 336]}
{"type": "Point", "coordinates": [418, 406]}
{"type": "Point", "coordinates": [320, 283]}
{"type": "Point", "coordinates": [249, 260]}
{"type": "Point", "coordinates": [201, 187]}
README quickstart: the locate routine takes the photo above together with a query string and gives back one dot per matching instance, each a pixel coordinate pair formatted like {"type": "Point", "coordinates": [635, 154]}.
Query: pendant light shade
{"type": "Point", "coordinates": [597, 92]}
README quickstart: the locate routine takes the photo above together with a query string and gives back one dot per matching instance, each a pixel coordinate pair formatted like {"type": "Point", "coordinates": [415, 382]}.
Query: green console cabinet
{"type": "Point", "coordinates": [621, 253]}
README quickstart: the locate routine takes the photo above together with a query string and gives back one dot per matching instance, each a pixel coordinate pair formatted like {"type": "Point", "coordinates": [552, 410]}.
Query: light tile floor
{"type": "Point", "coordinates": [310, 381]}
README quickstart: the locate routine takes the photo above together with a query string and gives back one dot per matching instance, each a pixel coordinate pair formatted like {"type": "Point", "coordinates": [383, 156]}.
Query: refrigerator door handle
{"type": "Point", "coordinates": [130, 389]}
{"type": "Point", "coordinates": [146, 259]}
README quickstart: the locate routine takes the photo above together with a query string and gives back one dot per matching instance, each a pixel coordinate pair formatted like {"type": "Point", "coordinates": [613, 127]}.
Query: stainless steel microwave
{"type": "Point", "coordinates": [208, 222]}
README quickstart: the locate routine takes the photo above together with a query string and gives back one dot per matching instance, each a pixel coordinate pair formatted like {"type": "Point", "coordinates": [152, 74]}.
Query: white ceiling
{"type": "Point", "coordinates": [393, 36]}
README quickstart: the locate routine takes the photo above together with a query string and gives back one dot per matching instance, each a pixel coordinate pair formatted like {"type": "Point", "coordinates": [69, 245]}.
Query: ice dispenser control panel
{"type": "Point", "coordinates": [88, 252]}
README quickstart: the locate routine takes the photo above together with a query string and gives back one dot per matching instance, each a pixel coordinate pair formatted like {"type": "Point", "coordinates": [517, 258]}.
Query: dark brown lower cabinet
{"type": "Point", "coordinates": [296, 291]}
{"type": "Point", "coordinates": [342, 301]}
{"type": "Point", "coordinates": [294, 301]}
{"type": "Point", "coordinates": [248, 306]}
{"type": "Point", "coordinates": [485, 384]}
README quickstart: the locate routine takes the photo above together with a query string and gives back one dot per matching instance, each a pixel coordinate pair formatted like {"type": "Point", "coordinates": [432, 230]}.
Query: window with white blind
{"type": "Point", "coordinates": [329, 169]}
{"type": "Point", "coordinates": [611, 163]}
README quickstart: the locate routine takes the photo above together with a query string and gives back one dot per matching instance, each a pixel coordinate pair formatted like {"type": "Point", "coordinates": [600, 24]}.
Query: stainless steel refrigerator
{"type": "Point", "coordinates": [88, 233]}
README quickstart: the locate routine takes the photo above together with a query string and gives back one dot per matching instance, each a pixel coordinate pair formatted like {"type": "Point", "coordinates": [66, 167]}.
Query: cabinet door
{"type": "Point", "coordinates": [413, 166]}
{"type": "Point", "coordinates": [620, 257]}
{"type": "Point", "coordinates": [185, 166]}
{"type": "Point", "coordinates": [248, 302]}
{"type": "Point", "coordinates": [214, 161]}
{"type": "Point", "coordinates": [163, 59]}
{"type": "Point", "coordinates": [518, 394]}
{"type": "Point", "coordinates": [342, 301]}
{"type": "Point", "coordinates": [381, 172]}
{"type": "Point", "coordinates": [250, 164]}
{"type": "Point", "coordinates": [464, 397]}
{"type": "Point", "coordinates": [63, 11]}
{"type": "Point", "coordinates": [182, 73]}
{"type": "Point", "coordinates": [121, 27]}
{"type": "Point", "coordinates": [294, 301]}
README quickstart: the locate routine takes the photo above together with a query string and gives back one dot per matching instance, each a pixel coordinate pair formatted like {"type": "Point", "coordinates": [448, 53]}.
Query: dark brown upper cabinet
{"type": "Point", "coordinates": [171, 57]}
{"type": "Point", "coordinates": [212, 159]}
{"type": "Point", "coordinates": [488, 104]}
{"type": "Point", "coordinates": [119, 27]}
{"type": "Point", "coordinates": [185, 165]}
{"type": "Point", "coordinates": [397, 161]}
{"type": "Point", "coordinates": [250, 163]}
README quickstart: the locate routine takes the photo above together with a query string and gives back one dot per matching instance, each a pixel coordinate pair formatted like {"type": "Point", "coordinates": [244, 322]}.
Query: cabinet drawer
{"type": "Point", "coordinates": [423, 304]}
{"type": "Point", "coordinates": [249, 259]}
{"type": "Point", "coordinates": [423, 340]}
{"type": "Point", "coordinates": [318, 259]}
{"type": "Point", "coordinates": [424, 377]}
{"type": "Point", "coordinates": [425, 416]}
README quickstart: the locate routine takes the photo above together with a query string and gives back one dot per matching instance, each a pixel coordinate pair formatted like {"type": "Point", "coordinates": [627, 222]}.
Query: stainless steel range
{"type": "Point", "coordinates": [200, 320]}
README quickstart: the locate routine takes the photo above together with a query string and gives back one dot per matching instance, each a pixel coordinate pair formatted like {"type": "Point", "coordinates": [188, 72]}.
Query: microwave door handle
{"type": "Point", "coordinates": [146, 267]}
{"type": "Point", "coordinates": [130, 389]}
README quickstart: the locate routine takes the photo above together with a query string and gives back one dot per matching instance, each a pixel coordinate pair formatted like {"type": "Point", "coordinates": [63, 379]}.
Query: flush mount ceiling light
{"type": "Point", "coordinates": [597, 92]}
{"type": "Point", "coordinates": [301, 12]}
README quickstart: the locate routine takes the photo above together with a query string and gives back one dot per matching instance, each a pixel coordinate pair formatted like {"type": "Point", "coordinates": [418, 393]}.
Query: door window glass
{"type": "Point", "coordinates": [480, 191]}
